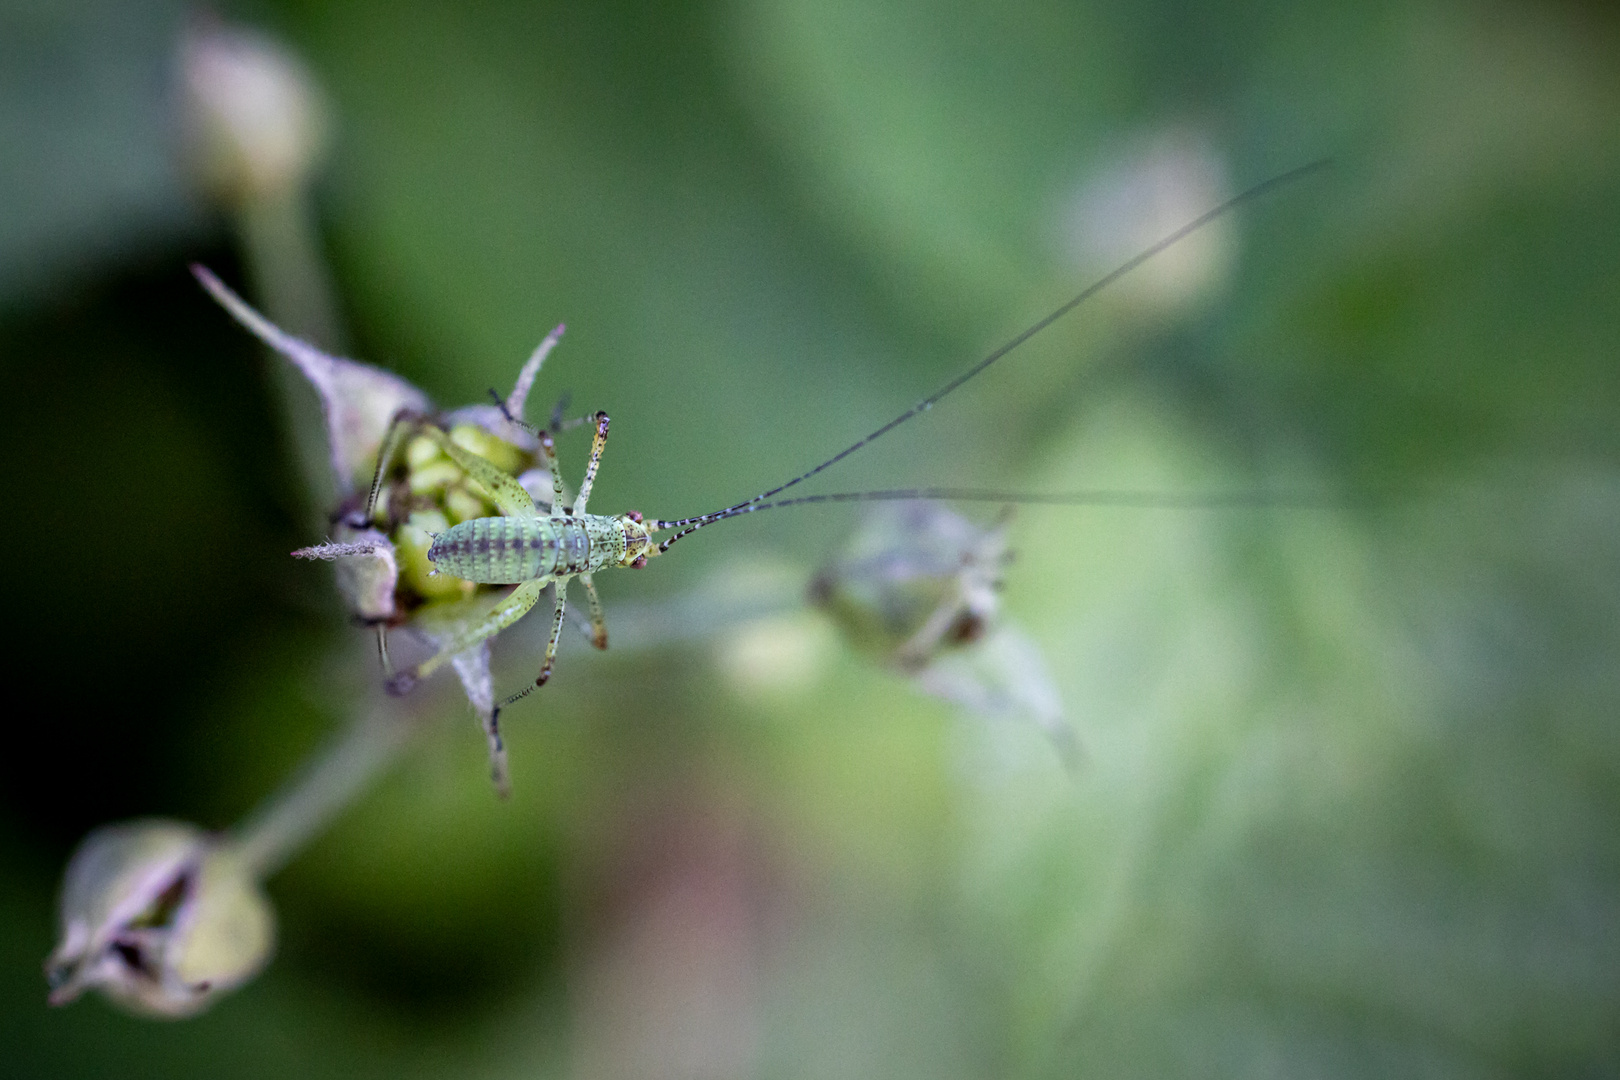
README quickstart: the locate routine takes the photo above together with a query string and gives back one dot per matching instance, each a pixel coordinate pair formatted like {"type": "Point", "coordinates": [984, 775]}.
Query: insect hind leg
{"type": "Point", "coordinates": [503, 489]}
{"type": "Point", "coordinates": [512, 607]}
{"type": "Point", "coordinates": [498, 772]}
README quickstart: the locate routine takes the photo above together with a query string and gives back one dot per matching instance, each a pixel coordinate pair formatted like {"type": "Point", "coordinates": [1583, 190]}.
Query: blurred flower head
{"type": "Point", "coordinates": [1140, 195]}
{"type": "Point", "coordinates": [916, 580]}
{"type": "Point", "coordinates": [382, 565]}
{"type": "Point", "coordinates": [918, 587]}
{"type": "Point", "coordinates": [161, 917]}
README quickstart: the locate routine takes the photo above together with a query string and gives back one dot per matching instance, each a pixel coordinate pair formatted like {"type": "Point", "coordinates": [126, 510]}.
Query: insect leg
{"type": "Point", "coordinates": [556, 632]}
{"type": "Point", "coordinates": [509, 610]}
{"type": "Point", "coordinates": [498, 772]}
{"type": "Point", "coordinates": [598, 443]}
{"type": "Point", "coordinates": [551, 647]}
{"type": "Point", "coordinates": [551, 651]}
{"type": "Point", "coordinates": [398, 428]}
{"type": "Point", "coordinates": [548, 453]}
{"type": "Point", "coordinates": [503, 488]}
{"type": "Point", "coordinates": [598, 624]}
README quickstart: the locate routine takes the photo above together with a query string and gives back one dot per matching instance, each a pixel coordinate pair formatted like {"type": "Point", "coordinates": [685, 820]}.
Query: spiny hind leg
{"type": "Point", "coordinates": [598, 624]}
{"type": "Point", "coordinates": [551, 647]}
{"type": "Point", "coordinates": [556, 631]}
{"type": "Point", "coordinates": [511, 608]}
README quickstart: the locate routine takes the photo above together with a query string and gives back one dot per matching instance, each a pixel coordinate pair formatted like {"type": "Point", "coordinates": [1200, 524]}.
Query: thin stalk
{"type": "Point", "coordinates": [283, 823]}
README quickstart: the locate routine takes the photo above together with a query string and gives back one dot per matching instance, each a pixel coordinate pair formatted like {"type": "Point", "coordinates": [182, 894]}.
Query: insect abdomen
{"type": "Point", "coordinates": [508, 550]}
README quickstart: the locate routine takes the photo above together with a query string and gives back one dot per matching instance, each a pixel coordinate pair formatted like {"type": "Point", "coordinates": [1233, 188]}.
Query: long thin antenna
{"type": "Point", "coordinates": [1137, 500]}
{"type": "Point", "coordinates": [1265, 187]}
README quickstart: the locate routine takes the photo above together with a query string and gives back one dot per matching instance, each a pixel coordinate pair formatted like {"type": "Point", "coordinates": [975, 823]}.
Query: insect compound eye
{"type": "Point", "coordinates": [634, 515]}
{"type": "Point", "coordinates": [640, 563]}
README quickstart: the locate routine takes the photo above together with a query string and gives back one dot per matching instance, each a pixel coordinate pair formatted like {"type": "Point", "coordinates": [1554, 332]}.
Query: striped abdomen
{"type": "Point", "coordinates": [507, 550]}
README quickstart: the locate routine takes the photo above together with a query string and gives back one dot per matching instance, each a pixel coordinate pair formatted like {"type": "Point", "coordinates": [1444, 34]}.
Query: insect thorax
{"type": "Point", "coordinates": [508, 550]}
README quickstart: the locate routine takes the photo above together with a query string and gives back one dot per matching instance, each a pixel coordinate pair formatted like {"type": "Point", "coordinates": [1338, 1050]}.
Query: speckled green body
{"type": "Point", "coordinates": [511, 550]}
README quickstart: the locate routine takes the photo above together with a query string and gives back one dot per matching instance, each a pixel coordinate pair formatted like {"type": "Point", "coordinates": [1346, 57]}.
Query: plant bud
{"type": "Point", "coordinates": [161, 917]}
{"type": "Point", "coordinates": [1142, 194]}
{"type": "Point", "coordinates": [917, 580]}
{"type": "Point", "coordinates": [918, 586]}
{"type": "Point", "coordinates": [387, 578]}
{"type": "Point", "coordinates": [253, 119]}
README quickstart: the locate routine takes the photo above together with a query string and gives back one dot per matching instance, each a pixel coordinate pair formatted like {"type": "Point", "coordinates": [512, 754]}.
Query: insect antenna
{"type": "Point", "coordinates": [558, 424]}
{"type": "Point", "coordinates": [1104, 497]}
{"type": "Point", "coordinates": [500, 403]}
{"type": "Point", "coordinates": [692, 524]}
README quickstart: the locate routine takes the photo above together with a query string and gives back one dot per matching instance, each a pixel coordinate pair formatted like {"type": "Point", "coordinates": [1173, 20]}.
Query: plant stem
{"type": "Point", "coordinates": [274, 832]}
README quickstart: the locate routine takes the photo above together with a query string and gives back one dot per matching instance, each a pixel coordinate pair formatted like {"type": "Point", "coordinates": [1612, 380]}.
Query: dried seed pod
{"type": "Point", "coordinates": [161, 917]}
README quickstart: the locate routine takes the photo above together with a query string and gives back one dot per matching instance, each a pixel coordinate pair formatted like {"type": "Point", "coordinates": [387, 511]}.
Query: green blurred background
{"type": "Point", "coordinates": [1351, 804]}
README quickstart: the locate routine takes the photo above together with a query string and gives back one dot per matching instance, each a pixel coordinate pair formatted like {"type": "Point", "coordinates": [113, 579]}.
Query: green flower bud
{"type": "Point", "coordinates": [411, 543]}
{"type": "Point", "coordinates": [492, 448]}
{"type": "Point", "coordinates": [431, 479]}
{"type": "Point", "coordinates": [462, 505]}
{"type": "Point", "coordinates": [161, 917]}
{"type": "Point", "coordinates": [421, 452]}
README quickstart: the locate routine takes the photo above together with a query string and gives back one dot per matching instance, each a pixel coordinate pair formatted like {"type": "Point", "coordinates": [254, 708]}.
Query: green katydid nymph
{"type": "Point", "coordinates": [533, 543]}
